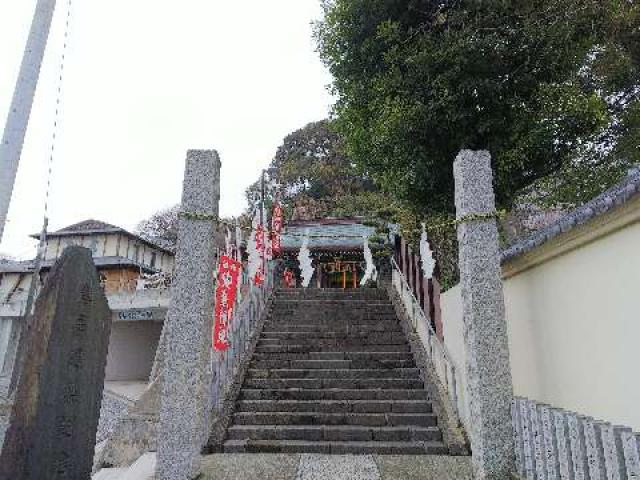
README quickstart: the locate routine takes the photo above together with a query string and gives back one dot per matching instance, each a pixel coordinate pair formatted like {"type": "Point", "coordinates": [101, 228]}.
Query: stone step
{"type": "Point", "coordinates": [347, 383]}
{"type": "Point", "coordinates": [310, 341]}
{"type": "Point", "coordinates": [331, 324]}
{"type": "Point", "coordinates": [341, 328]}
{"type": "Point", "coordinates": [355, 356]}
{"type": "Point", "coordinates": [332, 298]}
{"type": "Point", "coordinates": [326, 300]}
{"type": "Point", "coordinates": [350, 373]}
{"type": "Point", "coordinates": [298, 348]}
{"type": "Point", "coordinates": [335, 394]}
{"type": "Point", "coordinates": [303, 446]}
{"type": "Point", "coordinates": [321, 418]}
{"type": "Point", "coordinates": [325, 309]}
{"type": "Point", "coordinates": [335, 312]}
{"type": "Point", "coordinates": [326, 364]}
{"type": "Point", "coordinates": [331, 318]}
{"type": "Point", "coordinates": [335, 406]}
{"type": "Point", "coordinates": [330, 433]}
{"type": "Point", "coordinates": [332, 292]}
{"type": "Point", "coordinates": [381, 337]}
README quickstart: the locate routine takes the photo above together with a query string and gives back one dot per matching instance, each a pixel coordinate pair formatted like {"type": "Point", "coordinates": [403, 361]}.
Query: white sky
{"type": "Point", "coordinates": [145, 80]}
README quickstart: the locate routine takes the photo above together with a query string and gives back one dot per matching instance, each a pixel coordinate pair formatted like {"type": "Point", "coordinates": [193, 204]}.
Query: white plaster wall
{"type": "Point", "coordinates": [451, 305]}
{"type": "Point", "coordinates": [132, 347]}
{"type": "Point", "coordinates": [52, 247]}
{"type": "Point", "coordinates": [574, 328]}
{"type": "Point", "coordinates": [111, 245]}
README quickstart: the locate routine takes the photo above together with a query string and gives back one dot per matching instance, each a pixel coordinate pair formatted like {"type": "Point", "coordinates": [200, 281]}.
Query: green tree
{"type": "Point", "coordinates": [310, 168]}
{"type": "Point", "coordinates": [537, 83]}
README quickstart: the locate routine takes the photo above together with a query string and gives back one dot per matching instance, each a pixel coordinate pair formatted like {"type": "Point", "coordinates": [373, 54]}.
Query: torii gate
{"type": "Point", "coordinates": [20, 109]}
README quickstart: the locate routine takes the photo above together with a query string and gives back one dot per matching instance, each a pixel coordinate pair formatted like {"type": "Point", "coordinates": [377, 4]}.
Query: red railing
{"type": "Point", "coordinates": [427, 292]}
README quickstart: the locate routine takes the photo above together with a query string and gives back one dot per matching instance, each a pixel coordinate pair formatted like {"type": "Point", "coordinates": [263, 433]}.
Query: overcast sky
{"type": "Point", "coordinates": [145, 80]}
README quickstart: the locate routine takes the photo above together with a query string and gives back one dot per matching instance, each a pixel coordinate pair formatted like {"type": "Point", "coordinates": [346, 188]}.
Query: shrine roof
{"type": "Point", "coordinates": [327, 234]}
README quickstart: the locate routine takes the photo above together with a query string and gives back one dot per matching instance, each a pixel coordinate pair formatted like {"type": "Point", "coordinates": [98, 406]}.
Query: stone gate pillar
{"type": "Point", "coordinates": [184, 423]}
{"type": "Point", "coordinates": [488, 371]}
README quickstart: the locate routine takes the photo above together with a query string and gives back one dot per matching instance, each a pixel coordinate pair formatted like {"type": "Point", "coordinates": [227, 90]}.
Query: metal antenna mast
{"type": "Point", "coordinates": [18, 117]}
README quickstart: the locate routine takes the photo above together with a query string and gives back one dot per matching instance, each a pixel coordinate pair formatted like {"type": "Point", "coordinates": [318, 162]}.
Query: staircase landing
{"type": "Point", "coordinates": [335, 467]}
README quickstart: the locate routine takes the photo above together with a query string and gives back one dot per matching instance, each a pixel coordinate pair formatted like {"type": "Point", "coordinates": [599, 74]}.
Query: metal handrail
{"type": "Point", "coordinates": [451, 384]}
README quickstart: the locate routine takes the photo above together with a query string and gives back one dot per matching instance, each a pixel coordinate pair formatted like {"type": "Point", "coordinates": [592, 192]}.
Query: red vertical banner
{"type": "Point", "coordinates": [261, 247]}
{"type": "Point", "coordinates": [227, 286]}
{"type": "Point", "coordinates": [276, 246]}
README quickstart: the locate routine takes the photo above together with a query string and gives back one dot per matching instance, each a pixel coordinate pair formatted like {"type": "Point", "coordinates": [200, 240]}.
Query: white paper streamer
{"type": "Point", "coordinates": [371, 272]}
{"type": "Point", "coordinates": [304, 259]}
{"type": "Point", "coordinates": [428, 262]}
{"type": "Point", "coordinates": [227, 241]}
{"type": "Point", "coordinates": [238, 243]}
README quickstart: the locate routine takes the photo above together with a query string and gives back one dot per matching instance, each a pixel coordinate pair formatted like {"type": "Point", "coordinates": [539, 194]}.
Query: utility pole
{"type": "Point", "coordinates": [18, 117]}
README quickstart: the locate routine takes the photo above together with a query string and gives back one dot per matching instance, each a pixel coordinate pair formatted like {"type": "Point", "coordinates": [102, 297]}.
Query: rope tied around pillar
{"type": "Point", "coordinates": [200, 216]}
{"type": "Point", "coordinates": [473, 217]}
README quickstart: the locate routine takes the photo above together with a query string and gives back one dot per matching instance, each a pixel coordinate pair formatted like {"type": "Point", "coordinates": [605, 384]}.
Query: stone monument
{"type": "Point", "coordinates": [485, 329]}
{"type": "Point", "coordinates": [55, 415]}
{"type": "Point", "coordinates": [184, 416]}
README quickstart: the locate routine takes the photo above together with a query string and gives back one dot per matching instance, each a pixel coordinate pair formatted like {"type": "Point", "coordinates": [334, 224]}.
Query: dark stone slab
{"type": "Point", "coordinates": [55, 416]}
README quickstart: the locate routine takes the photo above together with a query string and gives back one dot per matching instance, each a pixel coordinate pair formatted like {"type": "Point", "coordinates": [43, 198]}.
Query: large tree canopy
{"type": "Point", "coordinates": [316, 179]}
{"type": "Point", "coordinates": [534, 82]}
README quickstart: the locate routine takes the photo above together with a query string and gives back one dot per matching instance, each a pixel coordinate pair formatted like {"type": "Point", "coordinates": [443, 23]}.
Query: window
{"type": "Point", "coordinates": [152, 263]}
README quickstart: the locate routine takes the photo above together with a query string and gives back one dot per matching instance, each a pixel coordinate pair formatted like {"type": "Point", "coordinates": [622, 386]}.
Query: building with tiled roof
{"type": "Point", "coordinates": [128, 265]}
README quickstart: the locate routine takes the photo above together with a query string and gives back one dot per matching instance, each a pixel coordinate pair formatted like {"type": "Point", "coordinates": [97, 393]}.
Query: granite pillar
{"type": "Point", "coordinates": [184, 421]}
{"type": "Point", "coordinates": [595, 450]}
{"type": "Point", "coordinates": [631, 448]}
{"type": "Point", "coordinates": [550, 443]}
{"type": "Point", "coordinates": [517, 439]}
{"type": "Point", "coordinates": [613, 451]}
{"type": "Point", "coordinates": [538, 441]}
{"type": "Point", "coordinates": [578, 446]}
{"type": "Point", "coordinates": [485, 330]}
{"type": "Point", "coordinates": [563, 444]}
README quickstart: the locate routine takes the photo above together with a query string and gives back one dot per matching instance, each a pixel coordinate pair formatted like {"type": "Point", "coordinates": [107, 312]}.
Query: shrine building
{"type": "Point", "coordinates": [337, 249]}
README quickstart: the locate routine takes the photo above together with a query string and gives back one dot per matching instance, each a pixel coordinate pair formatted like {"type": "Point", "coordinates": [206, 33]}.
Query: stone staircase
{"type": "Point", "coordinates": [333, 373]}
